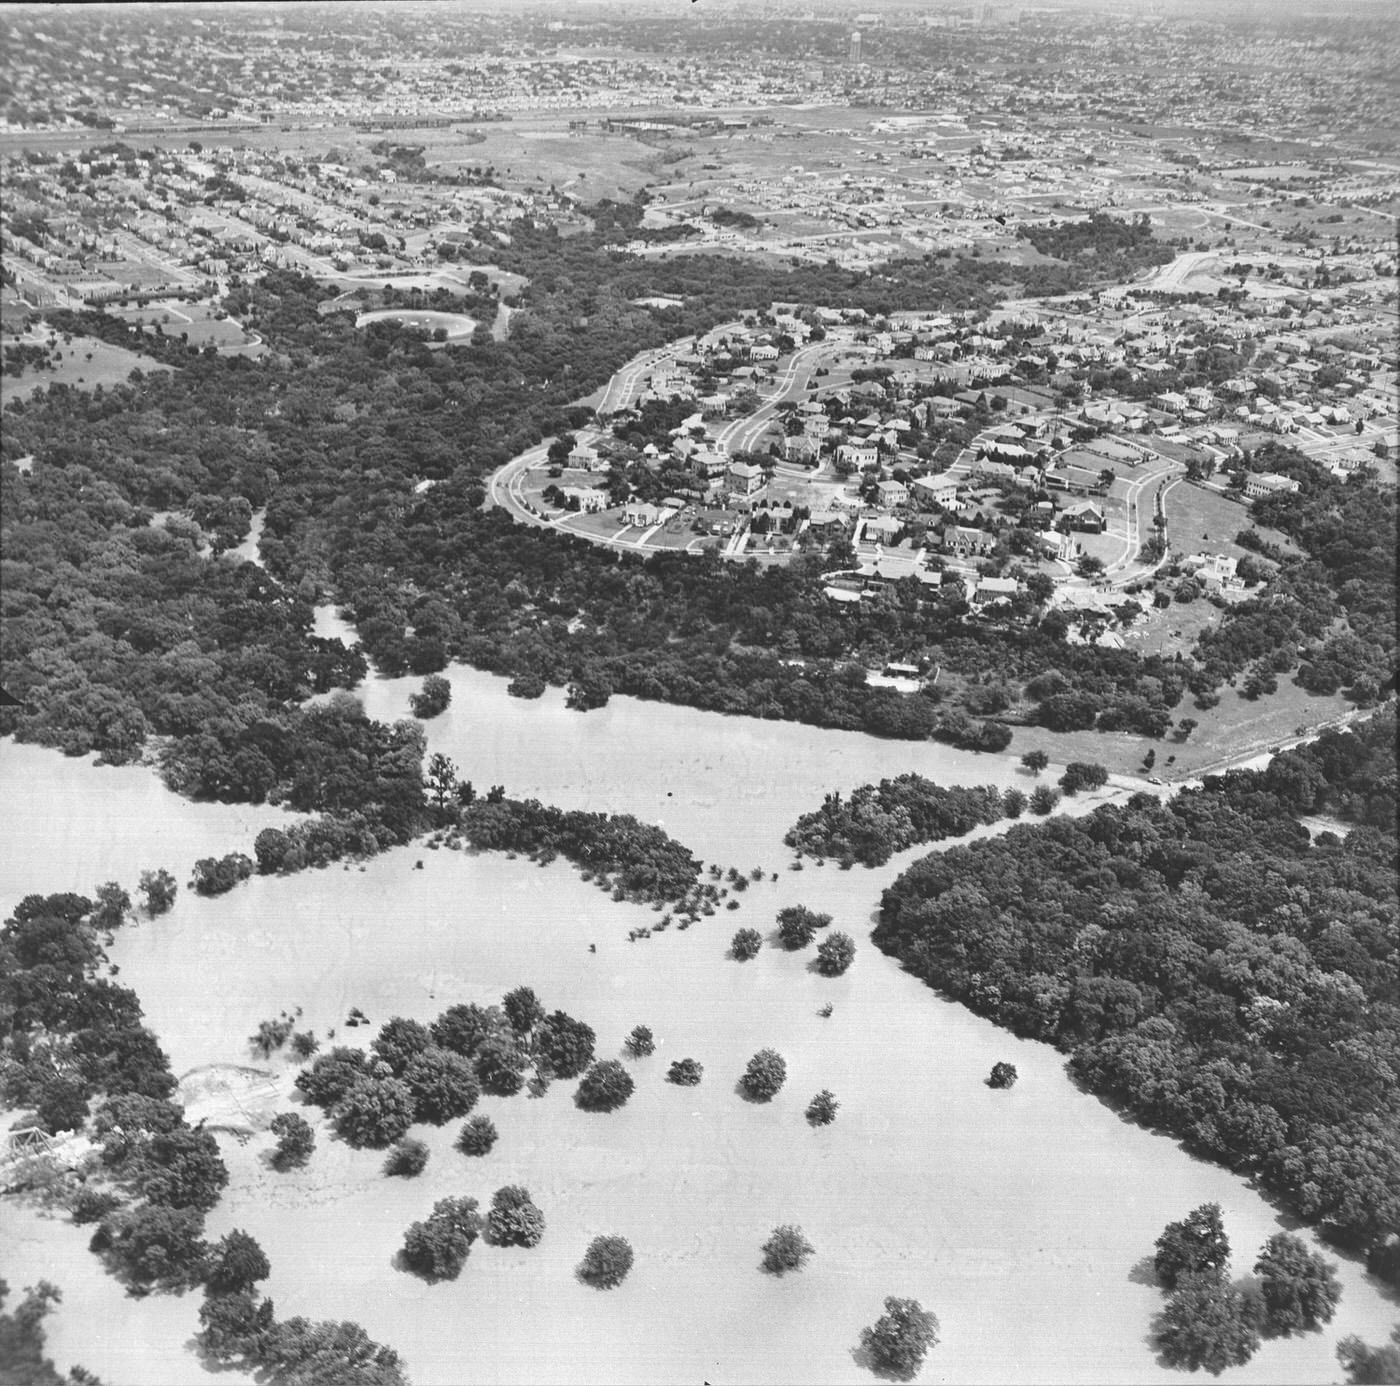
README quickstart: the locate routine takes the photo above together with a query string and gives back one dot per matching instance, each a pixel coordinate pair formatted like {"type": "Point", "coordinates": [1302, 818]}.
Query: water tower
{"type": "Point", "coordinates": [855, 45]}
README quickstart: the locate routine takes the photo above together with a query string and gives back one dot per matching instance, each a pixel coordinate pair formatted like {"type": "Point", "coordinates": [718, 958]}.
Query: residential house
{"type": "Point", "coordinates": [1086, 517]}
{"type": "Point", "coordinates": [993, 473]}
{"type": "Point", "coordinates": [584, 457]}
{"type": "Point", "coordinates": [643, 515]}
{"type": "Point", "coordinates": [965, 542]}
{"type": "Point", "coordinates": [892, 494]}
{"type": "Point", "coordinates": [745, 478]}
{"type": "Point", "coordinates": [798, 447]}
{"type": "Point", "coordinates": [590, 499]}
{"type": "Point", "coordinates": [939, 490]}
{"type": "Point", "coordinates": [861, 456]}
{"type": "Point", "coordinates": [993, 591]}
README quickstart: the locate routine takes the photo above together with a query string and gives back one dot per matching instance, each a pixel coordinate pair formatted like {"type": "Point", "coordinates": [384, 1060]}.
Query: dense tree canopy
{"type": "Point", "coordinates": [1205, 963]}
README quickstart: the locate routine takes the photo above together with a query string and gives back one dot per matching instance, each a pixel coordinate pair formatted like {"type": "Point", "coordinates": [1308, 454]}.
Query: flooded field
{"type": "Point", "coordinates": [1019, 1217]}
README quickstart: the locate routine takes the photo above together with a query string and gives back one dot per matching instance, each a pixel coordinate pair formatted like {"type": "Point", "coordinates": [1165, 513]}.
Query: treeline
{"type": "Point", "coordinates": [1207, 966]}
{"type": "Point", "coordinates": [878, 820]}
{"type": "Point", "coordinates": [636, 860]}
{"type": "Point", "coordinates": [1329, 613]}
{"type": "Point", "coordinates": [1118, 249]}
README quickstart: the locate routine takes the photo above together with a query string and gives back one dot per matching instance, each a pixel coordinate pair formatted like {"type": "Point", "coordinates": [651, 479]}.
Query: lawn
{"type": "Point", "coordinates": [86, 363]}
{"type": "Point", "coordinates": [1234, 729]}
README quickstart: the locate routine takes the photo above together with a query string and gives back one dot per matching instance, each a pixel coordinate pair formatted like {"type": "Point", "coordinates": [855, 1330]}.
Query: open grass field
{"type": "Point", "coordinates": [1201, 519]}
{"type": "Point", "coordinates": [533, 154]}
{"type": "Point", "coordinates": [201, 324]}
{"type": "Point", "coordinates": [85, 364]}
{"type": "Point", "coordinates": [1233, 729]}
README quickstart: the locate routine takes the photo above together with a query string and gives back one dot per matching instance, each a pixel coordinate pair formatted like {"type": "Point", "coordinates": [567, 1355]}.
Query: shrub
{"type": "Point", "coordinates": [1197, 1244]}
{"type": "Point", "coordinates": [835, 954]}
{"type": "Point", "coordinates": [1081, 774]}
{"type": "Point", "coordinates": [407, 1159]}
{"type": "Point", "coordinates": [797, 926]}
{"type": "Point", "coordinates": [478, 1136]}
{"type": "Point", "coordinates": [374, 1113]}
{"type": "Point", "coordinates": [1298, 1287]}
{"type": "Point", "coordinates": [685, 1073]}
{"type": "Point", "coordinates": [295, 1141]}
{"type": "Point", "coordinates": [304, 1044]}
{"type": "Point", "coordinates": [641, 1042]}
{"type": "Point", "coordinates": [437, 1248]}
{"type": "Point", "coordinates": [216, 876]}
{"type": "Point", "coordinates": [765, 1074]}
{"type": "Point", "coordinates": [1043, 799]}
{"type": "Point", "coordinates": [92, 1205]}
{"type": "Point", "coordinates": [606, 1262]}
{"type": "Point", "coordinates": [1013, 803]}
{"type": "Point", "coordinates": [432, 699]}
{"type": "Point", "coordinates": [787, 1249]}
{"type": "Point", "coordinates": [514, 1220]}
{"type": "Point", "coordinates": [605, 1087]}
{"type": "Point", "coordinates": [745, 944]}
{"type": "Point", "coordinates": [821, 1110]}
{"type": "Point", "coordinates": [900, 1338]}
{"type": "Point", "coordinates": [443, 1085]}
{"type": "Point", "coordinates": [1003, 1076]}
{"type": "Point", "coordinates": [159, 888]}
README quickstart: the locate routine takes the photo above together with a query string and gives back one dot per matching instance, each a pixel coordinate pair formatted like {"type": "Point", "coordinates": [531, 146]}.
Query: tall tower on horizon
{"type": "Point", "coordinates": [855, 45]}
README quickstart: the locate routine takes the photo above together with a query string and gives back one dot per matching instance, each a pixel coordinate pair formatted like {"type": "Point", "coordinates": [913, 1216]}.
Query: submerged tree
{"type": "Point", "coordinates": [1003, 1075]}
{"type": "Point", "coordinates": [437, 1248]}
{"type": "Point", "coordinates": [605, 1087]}
{"type": "Point", "coordinates": [514, 1220]}
{"type": "Point", "coordinates": [1299, 1288]}
{"type": "Point", "coordinates": [407, 1160]}
{"type": "Point", "coordinates": [606, 1262]}
{"type": "Point", "coordinates": [765, 1075]}
{"type": "Point", "coordinates": [835, 954]}
{"type": "Point", "coordinates": [1208, 1324]}
{"type": "Point", "coordinates": [787, 1249]}
{"type": "Point", "coordinates": [295, 1140]}
{"type": "Point", "coordinates": [1197, 1243]}
{"type": "Point", "coordinates": [685, 1073]}
{"type": "Point", "coordinates": [477, 1136]}
{"type": "Point", "coordinates": [797, 926]}
{"type": "Point", "coordinates": [899, 1340]}
{"type": "Point", "coordinates": [641, 1042]}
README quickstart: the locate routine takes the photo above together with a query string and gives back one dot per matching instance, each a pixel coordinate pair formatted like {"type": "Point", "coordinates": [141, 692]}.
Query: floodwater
{"type": "Point", "coordinates": [1019, 1217]}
